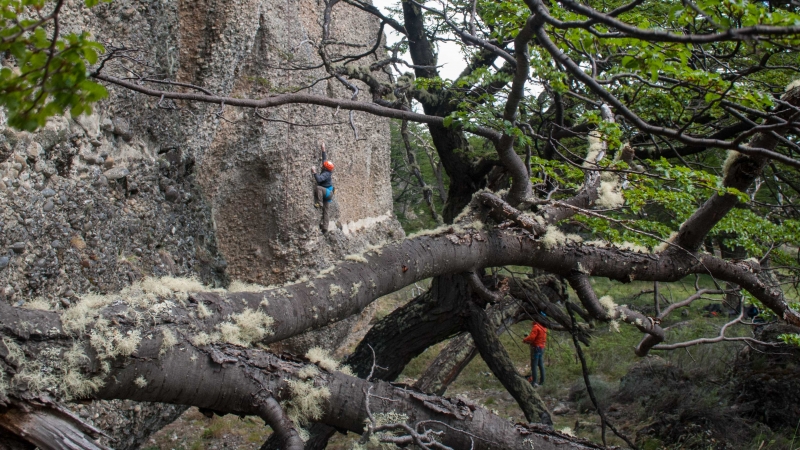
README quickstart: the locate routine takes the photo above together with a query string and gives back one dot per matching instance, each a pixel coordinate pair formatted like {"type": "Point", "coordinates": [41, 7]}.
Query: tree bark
{"type": "Point", "coordinates": [484, 334]}
{"type": "Point", "coordinates": [233, 379]}
{"type": "Point", "coordinates": [50, 427]}
{"type": "Point", "coordinates": [447, 365]}
{"type": "Point", "coordinates": [433, 317]}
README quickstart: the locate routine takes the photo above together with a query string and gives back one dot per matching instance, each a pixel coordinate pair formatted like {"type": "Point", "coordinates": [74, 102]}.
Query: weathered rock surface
{"type": "Point", "coordinates": [138, 189]}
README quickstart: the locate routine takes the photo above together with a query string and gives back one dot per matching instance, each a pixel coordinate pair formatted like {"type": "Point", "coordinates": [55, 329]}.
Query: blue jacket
{"type": "Point", "coordinates": [324, 177]}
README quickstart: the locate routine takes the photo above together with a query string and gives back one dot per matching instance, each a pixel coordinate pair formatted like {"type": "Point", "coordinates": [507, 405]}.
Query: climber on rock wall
{"type": "Point", "coordinates": [324, 190]}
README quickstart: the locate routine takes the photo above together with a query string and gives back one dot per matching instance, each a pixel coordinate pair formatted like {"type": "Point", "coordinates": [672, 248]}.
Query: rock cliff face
{"type": "Point", "coordinates": [149, 188]}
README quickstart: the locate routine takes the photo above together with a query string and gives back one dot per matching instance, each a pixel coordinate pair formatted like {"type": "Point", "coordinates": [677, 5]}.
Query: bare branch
{"type": "Point", "coordinates": [284, 99]}
{"type": "Point", "coordinates": [720, 338]}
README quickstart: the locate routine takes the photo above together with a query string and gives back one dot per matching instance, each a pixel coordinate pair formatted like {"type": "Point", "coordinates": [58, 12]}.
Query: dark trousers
{"type": "Point", "coordinates": [319, 197]}
{"type": "Point", "coordinates": [537, 361]}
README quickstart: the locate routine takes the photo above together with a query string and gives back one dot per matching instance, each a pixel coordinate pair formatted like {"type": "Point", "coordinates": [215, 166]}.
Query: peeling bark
{"type": "Point", "coordinates": [49, 427]}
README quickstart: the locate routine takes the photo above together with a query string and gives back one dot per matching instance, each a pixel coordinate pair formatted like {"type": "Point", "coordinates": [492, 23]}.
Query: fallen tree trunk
{"type": "Point", "coordinates": [138, 344]}
{"type": "Point", "coordinates": [239, 380]}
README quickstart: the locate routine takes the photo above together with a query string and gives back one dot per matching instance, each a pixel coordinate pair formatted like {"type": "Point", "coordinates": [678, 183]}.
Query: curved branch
{"type": "Point", "coordinates": [696, 296]}
{"type": "Point", "coordinates": [271, 412]}
{"type": "Point", "coordinates": [719, 338]}
{"type": "Point", "coordinates": [284, 99]}
{"type": "Point", "coordinates": [520, 182]}
{"type": "Point", "coordinates": [366, 7]}
{"type": "Point", "coordinates": [479, 288]}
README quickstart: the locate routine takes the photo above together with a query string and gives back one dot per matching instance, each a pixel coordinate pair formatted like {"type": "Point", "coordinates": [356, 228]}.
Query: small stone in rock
{"type": "Point", "coordinates": [18, 247]}
{"type": "Point", "coordinates": [116, 173]}
{"type": "Point", "coordinates": [109, 163]}
{"type": "Point", "coordinates": [48, 192]}
{"type": "Point", "coordinates": [122, 128]}
{"type": "Point", "coordinates": [35, 149]}
{"type": "Point", "coordinates": [48, 206]}
{"type": "Point", "coordinates": [4, 262]}
{"type": "Point", "coordinates": [101, 181]}
{"type": "Point", "coordinates": [172, 194]}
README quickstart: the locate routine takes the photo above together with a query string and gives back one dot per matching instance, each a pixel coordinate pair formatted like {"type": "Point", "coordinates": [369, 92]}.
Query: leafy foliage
{"type": "Point", "coordinates": [46, 73]}
{"type": "Point", "coordinates": [791, 339]}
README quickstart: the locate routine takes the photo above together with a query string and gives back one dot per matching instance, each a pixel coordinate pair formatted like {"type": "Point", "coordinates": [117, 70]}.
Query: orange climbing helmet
{"type": "Point", "coordinates": [328, 166]}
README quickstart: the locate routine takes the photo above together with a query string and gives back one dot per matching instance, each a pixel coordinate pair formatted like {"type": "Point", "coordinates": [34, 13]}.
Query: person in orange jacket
{"type": "Point", "coordinates": [537, 340]}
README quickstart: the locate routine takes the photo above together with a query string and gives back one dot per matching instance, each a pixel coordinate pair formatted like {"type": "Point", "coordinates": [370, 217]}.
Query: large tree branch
{"type": "Point", "coordinates": [351, 285]}
{"type": "Point", "coordinates": [234, 379]}
{"type": "Point", "coordinates": [297, 98]}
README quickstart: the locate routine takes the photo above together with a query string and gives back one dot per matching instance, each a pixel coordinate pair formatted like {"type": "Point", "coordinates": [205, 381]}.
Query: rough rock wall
{"type": "Point", "coordinates": [145, 188]}
{"type": "Point", "coordinates": [261, 192]}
